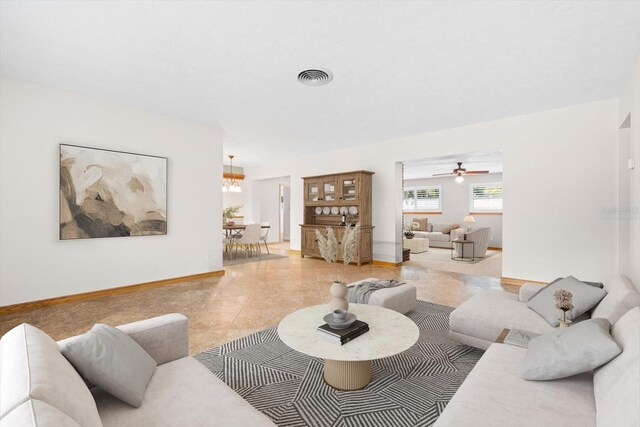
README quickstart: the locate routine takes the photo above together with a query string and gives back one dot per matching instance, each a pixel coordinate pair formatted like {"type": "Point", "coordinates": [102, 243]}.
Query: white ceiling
{"type": "Point", "coordinates": [481, 160]}
{"type": "Point", "coordinates": [400, 68]}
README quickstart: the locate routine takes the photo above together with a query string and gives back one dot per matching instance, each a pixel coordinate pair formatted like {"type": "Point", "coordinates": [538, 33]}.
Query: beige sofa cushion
{"type": "Point", "coordinates": [493, 394]}
{"type": "Point", "coordinates": [444, 228]}
{"type": "Point", "coordinates": [422, 223]}
{"type": "Point", "coordinates": [616, 384]}
{"type": "Point", "coordinates": [36, 413]}
{"type": "Point", "coordinates": [182, 393]}
{"type": "Point", "coordinates": [622, 296]}
{"type": "Point", "coordinates": [33, 367]}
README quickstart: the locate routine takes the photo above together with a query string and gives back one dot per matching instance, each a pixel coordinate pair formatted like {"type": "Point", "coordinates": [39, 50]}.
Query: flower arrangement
{"type": "Point", "coordinates": [329, 247]}
{"type": "Point", "coordinates": [563, 302]}
{"type": "Point", "coordinates": [230, 212]}
{"type": "Point", "coordinates": [408, 229]}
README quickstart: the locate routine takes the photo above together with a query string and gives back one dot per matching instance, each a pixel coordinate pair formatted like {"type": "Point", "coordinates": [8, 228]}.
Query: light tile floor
{"type": "Point", "coordinates": [248, 298]}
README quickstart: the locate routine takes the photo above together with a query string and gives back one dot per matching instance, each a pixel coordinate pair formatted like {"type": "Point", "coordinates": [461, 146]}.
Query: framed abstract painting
{"type": "Point", "coordinates": [105, 193]}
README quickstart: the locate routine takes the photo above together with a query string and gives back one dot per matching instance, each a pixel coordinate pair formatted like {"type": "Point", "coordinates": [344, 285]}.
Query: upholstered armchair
{"type": "Point", "coordinates": [480, 237]}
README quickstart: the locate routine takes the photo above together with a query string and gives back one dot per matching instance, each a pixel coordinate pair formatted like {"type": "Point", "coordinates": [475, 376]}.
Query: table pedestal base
{"type": "Point", "coordinates": [347, 375]}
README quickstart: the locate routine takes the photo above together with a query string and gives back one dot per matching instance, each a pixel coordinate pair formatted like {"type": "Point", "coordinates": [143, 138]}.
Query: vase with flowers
{"type": "Point", "coordinates": [564, 302]}
{"type": "Point", "coordinates": [229, 213]}
{"type": "Point", "coordinates": [409, 228]}
{"type": "Point", "coordinates": [330, 248]}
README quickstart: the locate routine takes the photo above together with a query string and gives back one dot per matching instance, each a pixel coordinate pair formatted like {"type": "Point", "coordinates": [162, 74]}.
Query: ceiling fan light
{"type": "Point", "coordinates": [459, 179]}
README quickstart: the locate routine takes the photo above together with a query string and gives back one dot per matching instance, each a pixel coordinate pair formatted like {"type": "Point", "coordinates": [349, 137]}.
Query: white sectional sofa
{"type": "Point", "coordinates": [494, 394]}
{"type": "Point", "coordinates": [479, 320]}
{"type": "Point", "coordinates": [40, 388]}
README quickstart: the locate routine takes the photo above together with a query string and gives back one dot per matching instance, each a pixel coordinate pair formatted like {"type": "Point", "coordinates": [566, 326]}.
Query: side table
{"type": "Point", "coordinates": [462, 244]}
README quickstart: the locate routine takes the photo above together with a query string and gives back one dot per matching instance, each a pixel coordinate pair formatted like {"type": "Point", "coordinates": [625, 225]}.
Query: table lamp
{"type": "Point", "coordinates": [468, 219]}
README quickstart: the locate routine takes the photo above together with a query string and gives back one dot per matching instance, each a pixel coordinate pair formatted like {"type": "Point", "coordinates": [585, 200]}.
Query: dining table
{"type": "Point", "coordinates": [232, 230]}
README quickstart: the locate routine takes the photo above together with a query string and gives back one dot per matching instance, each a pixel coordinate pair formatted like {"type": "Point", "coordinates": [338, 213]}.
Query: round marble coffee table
{"type": "Point", "coordinates": [348, 367]}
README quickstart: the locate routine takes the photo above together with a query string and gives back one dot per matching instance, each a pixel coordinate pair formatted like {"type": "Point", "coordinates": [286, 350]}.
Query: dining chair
{"type": "Point", "coordinates": [250, 240]}
{"type": "Point", "coordinates": [264, 232]}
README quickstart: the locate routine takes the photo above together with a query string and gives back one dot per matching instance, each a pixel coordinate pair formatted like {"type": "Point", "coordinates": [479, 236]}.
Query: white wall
{"type": "Point", "coordinates": [630, 104]}
{"type": "Point", "coordinates": [456, 203]}
{"type": "Point", "coordinates": [265, 204]}
{"type": "Point", "coordinates": [554, 161]}
{"type": "Point", "coordinates": [34, 264]}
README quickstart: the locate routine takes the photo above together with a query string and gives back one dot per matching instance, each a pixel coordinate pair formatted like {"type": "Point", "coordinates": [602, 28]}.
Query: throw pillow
{"type": "Point", "coordinates": [585, 297]}
{"type": "Point", "coordinates": [422, 223]}
{"type": "Point", "coordinates": [596, 284]}
{"type": "Point", "coordinates": [113, 361]}
{"type": "Point", "coordinates": [579, 348]}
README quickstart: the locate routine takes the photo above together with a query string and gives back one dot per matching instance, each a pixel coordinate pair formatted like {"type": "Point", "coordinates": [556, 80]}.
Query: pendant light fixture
{"type": "Point", "coordinates": [231, 185]}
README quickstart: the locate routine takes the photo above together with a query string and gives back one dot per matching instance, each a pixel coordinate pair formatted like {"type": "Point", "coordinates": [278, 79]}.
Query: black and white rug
{"type": "Point", "coordinates": [409, 389]}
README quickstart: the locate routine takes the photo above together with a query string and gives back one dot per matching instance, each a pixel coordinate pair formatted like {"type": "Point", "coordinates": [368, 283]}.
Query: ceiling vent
{"type": "Point", "coordinates": [315, 77]}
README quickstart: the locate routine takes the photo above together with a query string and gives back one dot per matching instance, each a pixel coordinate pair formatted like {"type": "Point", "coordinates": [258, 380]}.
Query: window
{"type": "Point", "coordinates": [428, 199]}
{"type": "Point", "coordinates": [486, 197]}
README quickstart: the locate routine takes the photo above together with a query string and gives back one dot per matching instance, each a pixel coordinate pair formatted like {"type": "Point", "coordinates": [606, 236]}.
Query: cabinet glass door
{"type": "Point", "coordinates": [349, 188]}
{"type": "Point", "coordinates": [329, 190]}
{"type": "Point", "coordinates": [313, 191]}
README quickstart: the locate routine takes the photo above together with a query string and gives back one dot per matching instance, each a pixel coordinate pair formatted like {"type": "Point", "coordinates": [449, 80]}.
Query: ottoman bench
{"type": "Point", "coordinates": [401, 298]}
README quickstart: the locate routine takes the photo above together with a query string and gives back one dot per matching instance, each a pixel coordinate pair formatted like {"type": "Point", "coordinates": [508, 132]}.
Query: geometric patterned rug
{"type": "Point", "coordinates": [408, 389]}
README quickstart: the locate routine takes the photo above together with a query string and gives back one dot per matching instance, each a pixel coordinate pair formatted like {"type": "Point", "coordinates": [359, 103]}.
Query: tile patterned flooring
{"type": "Point", "coordinates": [248, 298]}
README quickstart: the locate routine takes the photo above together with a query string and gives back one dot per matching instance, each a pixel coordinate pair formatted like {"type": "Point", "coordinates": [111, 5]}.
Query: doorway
{"type": "Point", "coordinates": [449, 198]}
{"type": "Point", "coordinates": [285, 213]}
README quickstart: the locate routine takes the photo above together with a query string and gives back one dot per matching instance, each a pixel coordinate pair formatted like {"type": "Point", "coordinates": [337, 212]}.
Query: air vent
{"type": "Point", "coordinates": [315, 77]}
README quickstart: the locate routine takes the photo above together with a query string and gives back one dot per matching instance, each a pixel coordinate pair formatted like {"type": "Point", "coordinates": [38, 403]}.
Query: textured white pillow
{"type": "Point", "coordinates": [571, 351]}
{"type": "Point", "coordinates": [585, 297]}
{"type": "Point", "coordinates": [113, 361]}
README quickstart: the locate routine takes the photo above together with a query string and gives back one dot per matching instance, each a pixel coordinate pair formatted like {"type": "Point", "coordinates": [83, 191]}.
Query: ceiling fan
{"type": "Point", "coordinates": [459, 171]}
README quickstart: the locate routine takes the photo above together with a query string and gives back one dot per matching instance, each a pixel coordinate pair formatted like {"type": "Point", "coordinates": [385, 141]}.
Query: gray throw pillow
{"type": "Point", "coordinates": [579, 348]}
{"type": "Point", "coordinates": [113, 361]}
{"type": "Point", "coordinates": [585, 297]}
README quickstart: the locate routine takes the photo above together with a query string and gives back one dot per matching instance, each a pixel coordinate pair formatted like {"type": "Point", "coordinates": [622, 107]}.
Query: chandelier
{"type": "Point", "coordinates": [231, 185]}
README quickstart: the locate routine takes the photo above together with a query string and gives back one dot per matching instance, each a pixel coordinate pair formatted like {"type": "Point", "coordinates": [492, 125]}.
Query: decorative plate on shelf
{"type": "Point", "coordinates": [344, 210]}
{"type": "Point", "coordinates": [326, 210]}
{"type": "Point", "coordinates": [335, 210]}
{"type": "Point", "coordinates": [353, 210]}
{"type": "Point", "coordinates": [318, 210]}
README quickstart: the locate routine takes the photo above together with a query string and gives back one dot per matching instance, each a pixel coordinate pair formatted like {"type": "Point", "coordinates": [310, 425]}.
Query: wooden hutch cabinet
{"type": "Point", "coordinates": [326, 199]}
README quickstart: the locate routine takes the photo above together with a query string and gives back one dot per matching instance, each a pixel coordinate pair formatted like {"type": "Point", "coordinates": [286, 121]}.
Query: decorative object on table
{"type": "Point", "coordinates": [564, 302]}
{"type": "Point", "coordinates": [469, 220]}
{"type": "Point", "coordinates": [105, 193]}
{"type": "Point", "coordinates": [343, 323]}
{"type": "Point", "coordinates": [230, 212]}
{"type": "Point", "coordinates": [329, 248]}
{"type": "Point", "coordinates": [230, 184]}
{"type": "Point", "coordinates": [339, 315]}
{"type": "Point", "coordinates": [409, 228]}
{"type": "Point", "coordinates": [343, 335]}
{"type": "Point", "coordinates": [343, 220]}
